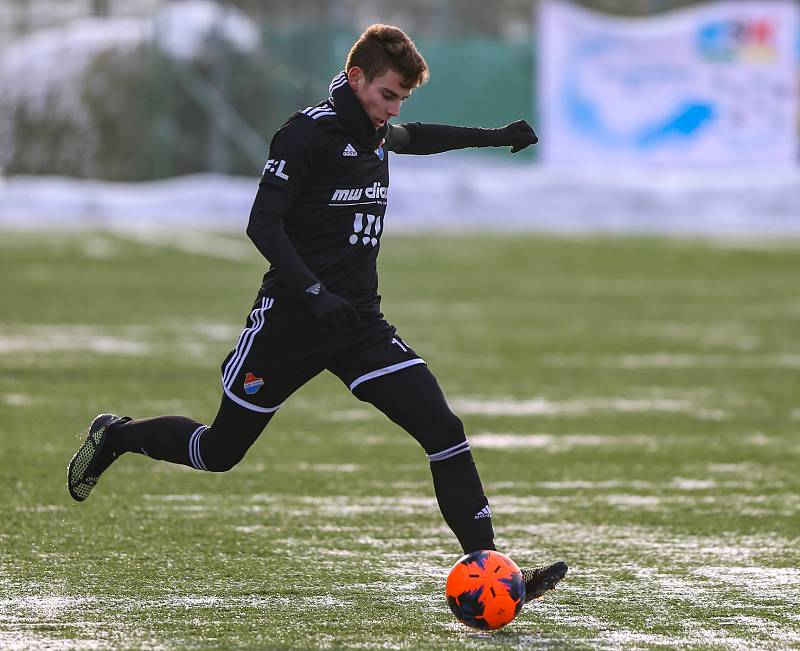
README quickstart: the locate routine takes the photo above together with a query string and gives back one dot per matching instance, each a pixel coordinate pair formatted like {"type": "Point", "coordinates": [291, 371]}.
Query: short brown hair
{"type": "Point", "coordinates": [381, 47]}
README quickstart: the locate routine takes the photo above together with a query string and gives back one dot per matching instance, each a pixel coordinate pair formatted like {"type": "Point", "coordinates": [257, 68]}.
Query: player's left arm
{"type": "Point", "coordinates": [419, 138]}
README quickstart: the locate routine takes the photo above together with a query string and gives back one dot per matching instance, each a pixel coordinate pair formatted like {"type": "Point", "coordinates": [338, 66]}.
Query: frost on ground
{"type": "Point", "coordinates": [198, 341]}
{"type": "Point", "coordinates": [539, 406]}
{"type": "Point", "coordinates": [629, 587]}
{"type": "Point", "coordinates": [640, 588]}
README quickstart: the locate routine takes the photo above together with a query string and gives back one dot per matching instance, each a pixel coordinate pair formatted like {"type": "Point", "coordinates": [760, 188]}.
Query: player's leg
{"type": "Point", "coordinates": [412, 398]}
{"type": "Point", "coordinates": [269, 362]}
{"type": "Point", "coordinates": [216, 448]}
{"type": "Point", "coordinates": [380, 368]}
{"type": "Point", "coordinates": [176, 439]}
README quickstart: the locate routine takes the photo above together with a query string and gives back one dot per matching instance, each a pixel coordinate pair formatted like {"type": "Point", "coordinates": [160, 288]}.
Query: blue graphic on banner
{"type": "Point", "coordinates": [685, 120]}
{"type": "Point", "coordinates": [685, 124]}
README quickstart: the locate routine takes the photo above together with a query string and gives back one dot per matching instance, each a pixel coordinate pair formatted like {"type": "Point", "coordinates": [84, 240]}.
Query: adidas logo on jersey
{"type": "Point", "coordinates": [349, 150]}
{"type": "Point", "coordinates": [485, 512]}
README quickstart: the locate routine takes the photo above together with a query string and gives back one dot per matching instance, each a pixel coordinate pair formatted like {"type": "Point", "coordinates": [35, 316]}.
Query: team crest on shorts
{"type": "Point", "coordinates": [252, 383]}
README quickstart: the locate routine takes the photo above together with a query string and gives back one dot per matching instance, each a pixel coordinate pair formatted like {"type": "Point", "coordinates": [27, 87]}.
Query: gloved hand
{"type": "Point", "coordinates": [518, 134]}
{"type": "Point", "coordinates": [331, 309]}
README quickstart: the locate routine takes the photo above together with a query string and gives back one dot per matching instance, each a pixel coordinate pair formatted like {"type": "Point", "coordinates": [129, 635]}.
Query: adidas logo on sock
{"type": "Point", "coordinates": [485, 512]}
{"type": "Point", "coordinates": [349, 150]}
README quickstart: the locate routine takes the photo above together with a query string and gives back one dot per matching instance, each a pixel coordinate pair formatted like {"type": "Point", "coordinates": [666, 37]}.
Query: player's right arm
{"type": "Point", "coordinates": [284, 176]}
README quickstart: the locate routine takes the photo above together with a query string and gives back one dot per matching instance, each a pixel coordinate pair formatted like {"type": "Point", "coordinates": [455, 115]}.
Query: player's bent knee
{"type": "Point", "coordinates": [443, 433]}
{"type": "Point", "coordinates": [225, 443]}
{"type": "Point", "coordinates": [221, 455]}
{"type": "Point", "coordinates": [223, 463]}
{"type": "Point", "coordinates": [451, 427]}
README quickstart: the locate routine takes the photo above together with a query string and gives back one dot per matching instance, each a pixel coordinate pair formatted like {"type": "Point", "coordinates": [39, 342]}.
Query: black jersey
{"type": "Point", "coordinates": [337, 177]}
{"type": "Point", "coordinates": [320, 210]}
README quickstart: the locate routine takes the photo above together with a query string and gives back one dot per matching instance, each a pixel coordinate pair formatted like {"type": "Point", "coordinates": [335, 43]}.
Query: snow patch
{"type": "Point", "coordinates": [675, 360]}
{"type": "Point", "coordinates": [18, 399]}
{"type": "Point", "coordinates": [582, 484]}
{"type": "Point", "coordinates": [184, 28]}
{"type": "Point", "coordinates": [33, 67]}
{"type": "Point", "coordinates": [71, 338]}
{"type": "Point", "coordinates": [549, 442]}
{"type": "Point", "coordinates": [684, 484]}
{"type": "Point", "coordinates": [649, 502]}
{"type": "Point", "coordinates": [188, 241]}
{"type": "Point", "coordinates": [328, 467]}
{"type": "Point", "coordinates": [760, 579]}
{"type": "Point", "coordinates": [350, 415]}
{"type": "Point", "coordinates": [544, 407]}
{"type": "Point", "coordinates": [24, 641]}
{"type": "Point", "coordinates": [449, 192]}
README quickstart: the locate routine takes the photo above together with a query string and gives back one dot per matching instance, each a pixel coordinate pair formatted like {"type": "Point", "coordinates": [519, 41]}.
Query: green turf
{"type": "Point", "coordinates": [633, 404]}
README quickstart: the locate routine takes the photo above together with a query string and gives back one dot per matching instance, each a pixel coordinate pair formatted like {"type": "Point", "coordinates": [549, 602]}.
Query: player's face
{"type": "Point", "coordinates": [382, 97]}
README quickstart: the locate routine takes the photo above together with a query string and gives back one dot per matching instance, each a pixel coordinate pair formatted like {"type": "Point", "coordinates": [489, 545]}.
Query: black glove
{"type": "Point", "coordinates": [331, 309]}
{"type": "Point", "coordinates": [518, 134]}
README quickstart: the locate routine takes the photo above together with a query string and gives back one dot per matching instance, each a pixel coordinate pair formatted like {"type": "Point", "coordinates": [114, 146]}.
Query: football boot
{"type": "Point", "coordinates": [539, 580]}
{"type": "Point", "coordinates": [92, 458]}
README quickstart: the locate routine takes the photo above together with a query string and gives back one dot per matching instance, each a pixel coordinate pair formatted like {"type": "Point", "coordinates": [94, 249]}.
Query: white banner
{"type": "Point", "coordinates": [715, 84]}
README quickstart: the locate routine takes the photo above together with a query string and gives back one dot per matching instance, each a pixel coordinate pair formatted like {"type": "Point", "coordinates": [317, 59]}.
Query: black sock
{"type": "Point", "coordinates": [163, 437]}
{"type": "Point", "coordinates": [462, 501]}
{"type": "Point", "coordinates": [178, 439]}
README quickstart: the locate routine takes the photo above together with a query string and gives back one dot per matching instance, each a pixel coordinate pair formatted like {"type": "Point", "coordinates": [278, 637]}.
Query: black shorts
{"type": "Point", "coordinates": [282, 347]}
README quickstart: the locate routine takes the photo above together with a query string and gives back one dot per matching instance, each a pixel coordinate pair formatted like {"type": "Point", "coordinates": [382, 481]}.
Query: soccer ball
{"type": "Point", "coordinates": [485, 589]}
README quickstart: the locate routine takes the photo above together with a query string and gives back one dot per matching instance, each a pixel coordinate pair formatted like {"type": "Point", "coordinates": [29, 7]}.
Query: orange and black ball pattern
{"type": "Point", "coordinates": [485, 589]}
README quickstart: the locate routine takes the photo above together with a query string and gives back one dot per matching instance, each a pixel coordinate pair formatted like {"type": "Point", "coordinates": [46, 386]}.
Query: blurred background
{"type": "Point", "coordinates": [132, 92]}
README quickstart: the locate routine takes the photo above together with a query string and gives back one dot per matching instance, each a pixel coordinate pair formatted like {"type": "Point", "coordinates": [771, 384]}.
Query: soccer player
{"type": "Point", "coordinates": [318, 218]}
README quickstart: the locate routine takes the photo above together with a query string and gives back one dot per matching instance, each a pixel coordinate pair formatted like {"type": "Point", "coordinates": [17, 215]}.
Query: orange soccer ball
{"type": "Point", "coordinates": [485, 589]}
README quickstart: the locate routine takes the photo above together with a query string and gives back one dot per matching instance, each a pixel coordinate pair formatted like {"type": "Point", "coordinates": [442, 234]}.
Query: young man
{"type": "Point", "coordinates": [318, 218]}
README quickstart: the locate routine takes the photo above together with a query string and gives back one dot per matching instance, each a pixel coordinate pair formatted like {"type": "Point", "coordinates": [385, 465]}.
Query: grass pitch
{"type": "Point", "coordinates": [633, 405]}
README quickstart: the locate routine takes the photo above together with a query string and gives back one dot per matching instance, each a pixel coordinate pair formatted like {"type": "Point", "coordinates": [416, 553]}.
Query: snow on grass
{"type": "Point", "coordinates": [210, 330]}
{"type": "Point", "coordinates": [189, 241]}
{"type": "Point", "coordinates": [41, 508]}
{"type": "Point", "coordinates": [765, 580]}
{"type": "Point", "coordinates": [18, 399]}
{"type": "Point", "coordinates": [329, 467]}
{"type": "Point", "coordinates": [553, 442]}
{"type": "Point", "coordinates": [539, 406]}
{"type": "Point", "coordinates": [196, 341]}
{"type": "Point", "coordinates": [581, 484]}
{"type": "Point", "coordinates": [25, 640]}
{"type": "Point", "coordinates": [100, 248]}
{"type": "Point", "coordinates": [68, 338]}
{"type": "Point", "coordinates": [672, 360]}
{"type": "Point", "coordinates": [351, 415]}
{"type": "Point", "coordinates": [682, 483]}
{"type": "Point", "coordinates": [629, 587]}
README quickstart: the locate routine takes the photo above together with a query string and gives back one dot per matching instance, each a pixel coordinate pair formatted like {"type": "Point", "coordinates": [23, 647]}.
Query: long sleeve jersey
{"type": "Point", "coordinates": [319, 213]}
